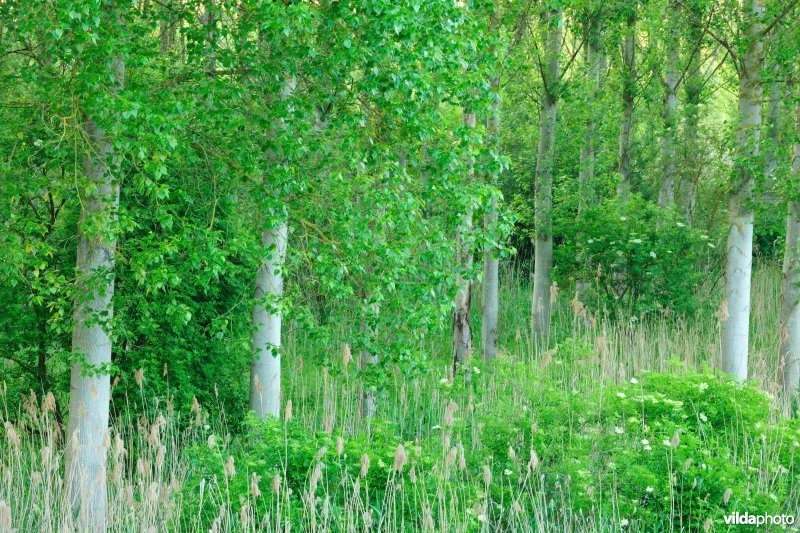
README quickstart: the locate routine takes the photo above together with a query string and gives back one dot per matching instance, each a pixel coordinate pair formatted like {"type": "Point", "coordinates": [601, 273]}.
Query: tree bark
{"type": "Point", "coordinates": [596, 59]}
{"type": "Point", "coordinates": [90, 388]}
{"type": "Point", "coordinates": [666, 196]}
{"type": "Point", "coordinates": [692, 163]}
{"type": "Point", "coordinates": [462, 322]}
{"type": "Point", "coordinates": [790, 289]}
{"type": "Point", "coordinates": [367, 400]}
{"type": "Point", "coordinates": [543, 201]}
{"type": "Point", "coordinates": [491, 290]}
{"type": "Point", "coordinates": [265, 341]}
{"type": "Point", "coordinates": [626, 124]}
{"type": "Point", "coordinates": [738, 269]}
{"type": "Point", "coordinates": [491, 261]}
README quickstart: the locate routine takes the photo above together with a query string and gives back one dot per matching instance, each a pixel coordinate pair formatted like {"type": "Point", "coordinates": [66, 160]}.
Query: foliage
{"type": "Point", "coordinates": [664, 448]}
{"type": "Point", "coordinates": [635, 255]}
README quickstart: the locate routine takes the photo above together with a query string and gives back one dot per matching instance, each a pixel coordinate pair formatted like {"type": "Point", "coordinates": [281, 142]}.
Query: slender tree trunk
{"type": "Point", "coordinates": [368, 395]}
{"type": "Point", "coordinates": [692, 164]}
{"type": "Point", "coordinates": [367, 403]}
{"type": "Point", "coordinates": [491, 290]}
{"type": "Point", "coordinates": [596, 59]}
{"type": "Point", "coordinates": [738, 270]}
{"type": "Point", "coordinates": [491, 261]}
{"type": "Point", "coordinates": [166, 29]}
{"type": "Point", "coordinates": [774, 130]}
{"type": "Point", "coordinates": [462, 323]}
{"type": "Point", "coordinates": [211, 35]}
{"type": "Point", "coordinates": [790, 290]}
{"type": "Point", "coordinates": [666, 196]}
{"type": "Point", "coordinates": [626, 125]}
{"type": "Point", "coordinates": [543, 201]}
{"type": "Point", "coordinates": [90, 388]}
{"type": "Point", "coordinates": [265, 341]}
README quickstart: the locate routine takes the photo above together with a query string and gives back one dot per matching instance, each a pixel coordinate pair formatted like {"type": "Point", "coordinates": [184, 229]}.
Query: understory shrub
{"type": "Point", "coordinates": [635, 256]}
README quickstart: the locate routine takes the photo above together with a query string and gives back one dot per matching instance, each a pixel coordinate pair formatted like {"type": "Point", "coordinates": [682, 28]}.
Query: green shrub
{"type": "Point", "coordinates": [635, 255]}
{"type": "Point", "coordinates": [683, 448]}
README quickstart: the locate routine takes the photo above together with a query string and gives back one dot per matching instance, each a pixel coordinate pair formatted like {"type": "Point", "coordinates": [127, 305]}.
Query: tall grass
{"type": "Point", "coordinates": [148, 468]}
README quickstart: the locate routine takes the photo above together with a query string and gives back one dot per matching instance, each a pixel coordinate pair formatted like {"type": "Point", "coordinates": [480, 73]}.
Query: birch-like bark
{"type": "Point", "coordinates": [265, 340]}
{"type": "Point", "coordinates": [626, 123]}
{"type": "Point", "coordinates": [738, 269]}
{"type": "Point", "coordinates": [596, 59]}
{"type": "Point", "coordinates": [790, 289]}
{"type": "Point", "coordinates": [462, 322]}
{"type": "Point", "coordinates": [491, 261]}
{"type": "Point", "coordinates": [491, 289]}
{"type": "Point", "coordinates": [90, 387]}
{"type": "Point", "coordinates": [666, 196]}
{"type": "Point", "coordinates": [543, 201]}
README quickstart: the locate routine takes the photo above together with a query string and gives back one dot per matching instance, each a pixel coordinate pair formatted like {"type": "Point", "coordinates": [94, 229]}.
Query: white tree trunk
{"type": "Point", "coordinates": [462, 322]}
{"type": "Point", "coordinates": [790, 290]}
{"type": "Point", "coordinates": [790, 299]}
{"type": "Point", "coordinates": [491, 291]}
{"type": "Point", "coordinates": [666, 196]}
{"type": "Point", "coordinates": [626, 124]}
{"type": "Point", "coordinates": [90, 388]}
{"type": "Point", "coordinates": [543, 201]}
{"type": "Point", "coordinates": [491, 262]}
{"type": "Point", "coordinates": [738, 269]}
{"type": "Point", "coordinates": [265, 340]}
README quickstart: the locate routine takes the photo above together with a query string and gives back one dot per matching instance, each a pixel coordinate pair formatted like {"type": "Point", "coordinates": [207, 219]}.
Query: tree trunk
{"type": "Point", "coordinates": [596, 59]}
{"type": "Point", "coordinates": [211, 35]}
{"type": "Point", "coordinates": [491, 290]}
{"type": "Point", "coordinates": [790, 290]}
{"type": "Point", "coordinates": [666, 196]}
{"type": "Point", "coordinates": [462, 323]}
{"type": "Point", "coordinates": [738, 270]}
{"type": "Point", "coordinates": [543, 201]}
{"type": "Point", "coordinates": [265, 341]}
{"type": "Point", "coordinates": [773, 155]}
{"type": "Point", "coordinates": [626, 125]}
{"type": "Point", "coordinates": [491, 262]}
{"type": "Point", "coordinates": [692, 163]}
{"type": "Point", "coordinates": [367, 400]}
{"type": "Point", "coordinates": [90, 388]}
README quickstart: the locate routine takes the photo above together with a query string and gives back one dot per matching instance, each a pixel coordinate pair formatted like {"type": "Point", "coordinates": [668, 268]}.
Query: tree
{"type": "Point", "coordinates": [628, 94]}
{"type": "Point", "coordinates": [693, 89]}
{"type": "Point", "coordinates": [543, 243]}
{"type": "Point", "coordinates": [462, 322]}
{"type": "Point", "coordinates": [790, 288]}
{"type": "Point", "coordinates": [738, 268]}
{"type": "Point", "coordinates": [596, 63]}
{"type": "Point", "coordinates": [90, 384]}
{"type": "Point", "coordinates": [666, 196]}
{"type": "Point", "coordinates": [265, 373]}
{"type": "Point", "coordinates": [491, 260]}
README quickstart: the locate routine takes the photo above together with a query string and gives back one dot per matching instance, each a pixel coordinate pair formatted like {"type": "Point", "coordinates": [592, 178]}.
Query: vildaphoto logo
{"type": "Point", "coordinates": [742, 519]}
